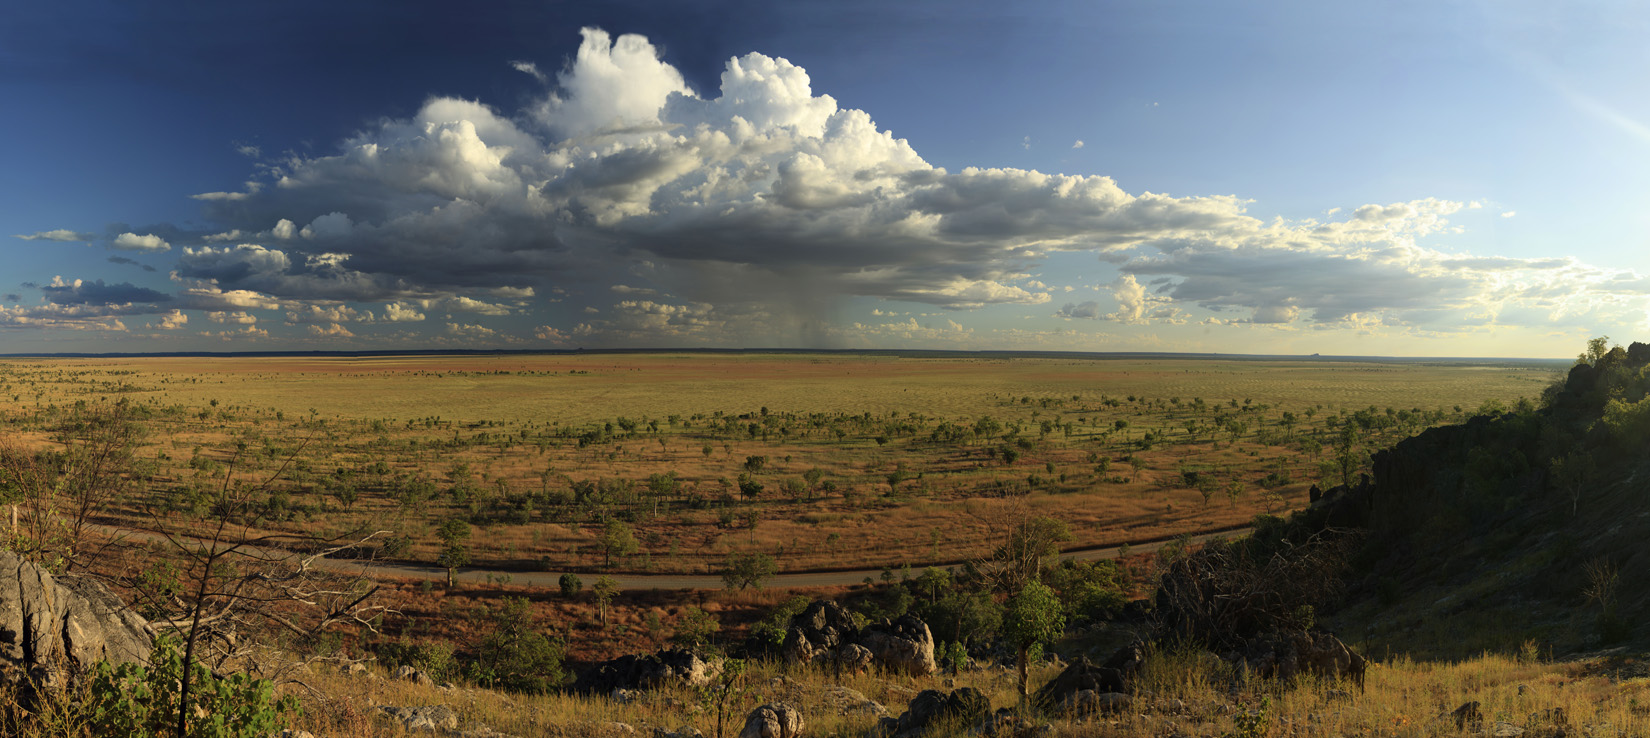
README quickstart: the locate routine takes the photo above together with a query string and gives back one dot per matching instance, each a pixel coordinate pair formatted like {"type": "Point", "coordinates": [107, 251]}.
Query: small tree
{"type": "Point", "coordinates": [570, 585]}
{"type": "Point", "coordinates": [454, 553]}
{"type": "Point", "coordinates": [749, 570]}
{"type": "Point", "coordinates": [616, 540]}
{"type": "Point", "coordinates": [695, 628]}
{"type": "Point", "coordinates": [723, 695]}
{"type": "Point", "coordinates": [604, 589]}
{"type": "Point", "coordinates": [515, 656]}
{"type": "Point", "coordinates": [1032, 619]}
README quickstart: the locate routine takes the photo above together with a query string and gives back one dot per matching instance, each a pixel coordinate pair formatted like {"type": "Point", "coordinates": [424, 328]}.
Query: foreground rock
{"type": "Point", "coordinates": [51, 627]}
{"type": "Point", "coordinates": [1059, 696]}
{"type": "Point", "coordinates": [825, 633]}
{"type": "Point", "coordinates": [954, 713]}
{"type": "Point", "coordinates": [777, 720]}
{"type": "Point", "coordinates": [1287, 654]}
{"type": "Point", "coordinates": [649, 671]}
{"type": "Point", "coordinates": [901, 646]}
{"type": "Point", "coordinates": [426, 718]}
{"type": "Point", "coordinates": [851, 703]}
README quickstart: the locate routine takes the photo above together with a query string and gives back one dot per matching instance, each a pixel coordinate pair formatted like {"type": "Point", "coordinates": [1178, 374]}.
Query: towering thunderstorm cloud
{"type": "Point", "coordinates": [673, 215]}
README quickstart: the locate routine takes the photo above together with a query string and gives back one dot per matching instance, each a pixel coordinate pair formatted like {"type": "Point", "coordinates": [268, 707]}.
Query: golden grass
{"type": "Point", "coordinates": [1188, 697]}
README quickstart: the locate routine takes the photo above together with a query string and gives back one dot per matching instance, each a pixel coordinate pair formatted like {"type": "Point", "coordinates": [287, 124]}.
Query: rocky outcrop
{"type": "Point", "coordinates": [933, 710]}
{"type": "Point", "coordinates": [850, 703]}
{"type": "Point", "coordinates": [902, 646]}
{"type": "Point", "coordinates": [817, 632]}
{"type": "Point", "coordinates": [777, 720]}
{"type": "Point", "coordinates": [427, 718]}
{"type": "Point", "coordinates": [51, 627]}
{"type": "Point", "coordinates": [649, 671]}
{"type": "Point", "coordinates": [1288, 654]}
{"type": "Point", "coordinates": [825, 633]}
{"type": "Point", "coordinates": [1061, 694]}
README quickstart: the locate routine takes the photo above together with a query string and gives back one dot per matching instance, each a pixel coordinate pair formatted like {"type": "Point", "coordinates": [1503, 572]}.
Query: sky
{"type": "Point", "coordinates": [1440, 178]}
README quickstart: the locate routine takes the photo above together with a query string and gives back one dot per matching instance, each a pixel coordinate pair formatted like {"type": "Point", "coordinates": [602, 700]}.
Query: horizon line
{"type": "Point", "coordinates": [927, 352]}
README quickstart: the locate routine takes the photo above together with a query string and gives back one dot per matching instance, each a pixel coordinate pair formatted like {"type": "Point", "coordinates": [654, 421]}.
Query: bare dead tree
{"type": "Point", "coordinates": [241, 580]}
{"type": "Point", "coordinates": [58, 493]}
{"type": "Point", "coordinates": [1024, 543]}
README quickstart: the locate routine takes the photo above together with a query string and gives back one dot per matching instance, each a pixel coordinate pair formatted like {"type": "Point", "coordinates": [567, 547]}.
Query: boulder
{"type": "Point", "coordinates": [824, 633]}
{"type": "Point", "coordinates": [649, 671]}
{"type": "Point", "coordinates": [1082, 675]}
{"type": "Point", "coordinates": [1009, 723]}
{"type": "Point", "coordinates": [852, 658]}
{"type": "Point", "coordinates": [1288, 654]}
{"type": "Point", "coordinates": [414, 675]}
{"type": "Point", "coordinates": [902, 646]}
{"type": "Point", "coordinates": [430, 718]}
{"type": "Point", "coordinates": [931, 709]}
{"type": "Point", "coordinates": [819, 629]}
{"type": "Point", "coordinates": [54, 627]}
{"type": "Point", "coordinates": [851, 703]}
{"type": "Point", "coordinates": [776, 720]}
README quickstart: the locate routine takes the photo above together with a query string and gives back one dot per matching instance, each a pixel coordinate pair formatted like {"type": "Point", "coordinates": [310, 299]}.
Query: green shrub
{"type": "Point", "coordinates": [433, 658]}
{"type": "Point", "coordinates": [140, 702]}
{"type": "Point", "coordinates": [516, 657]}
{"type": "Point", "coordinates": [772, 628]}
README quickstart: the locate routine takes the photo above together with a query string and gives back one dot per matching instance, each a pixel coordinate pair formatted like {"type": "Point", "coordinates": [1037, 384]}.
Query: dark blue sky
{"type": "Point", "coordinates": [1514, 130]}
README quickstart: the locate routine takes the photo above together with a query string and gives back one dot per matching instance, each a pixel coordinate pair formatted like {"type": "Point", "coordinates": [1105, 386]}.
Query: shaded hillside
{"type": "Point", "coordinates": [1517, 531]}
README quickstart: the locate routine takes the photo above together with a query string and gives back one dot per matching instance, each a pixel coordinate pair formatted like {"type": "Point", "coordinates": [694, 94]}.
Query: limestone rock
{"type": "Point", "coordinates": [432, 718]}
{"type": "Point", "coordinates": [1080, 676]}
{"type": "Point", "coordinates": [776, 720]}
{"type": "Point", "coordinates": [852, 658]}
{"type": "Point", "coordinates": [51, 627]}
{"type": "Point", "coordinates": [902, 646]}
{"type": "Point", "coordinates": [649, 671]}
{"type": "Point", "coordinates": [411, 674]}
{"type": "Point", "coordinates": [961, 709]}
{"type": "Point", "coordinates": [849, 702]}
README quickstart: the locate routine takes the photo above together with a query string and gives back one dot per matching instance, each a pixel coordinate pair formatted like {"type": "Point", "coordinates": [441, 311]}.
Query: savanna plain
{"type": "Point", "coordinates": [364, 536]}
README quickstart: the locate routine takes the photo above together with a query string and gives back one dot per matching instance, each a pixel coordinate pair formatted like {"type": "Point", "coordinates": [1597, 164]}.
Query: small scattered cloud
{"type": "Point", "coordinates": [531, 69]}
{"type": "Point", "coordinates": [60, 234]}
{"type": "Point", "coordinates": [237, 317]}
{"type": "Point", "coordinates": [330, 330]}
{"type": "Point", "coordinates": [396, 312]}
{"type": "Point", "coordinates": [82, 292]}
{"type": "Point", "coordinates": [250, 332]}
{"type": "Point", "coordinates": [1509, 214]}
{"type": "Point", "coordinates": [1088, 309]}
{"type": "Point", "coordinates": [148, 242]}
{"type": "Point", "coordinates": [1078, 144]}
{"type": "Point", "coordinates": [1025, 143]}
{"type": "Point", "coordinates": [130, 262]}
{"type": "Point", "coordinates": [465, 330]}
{"type": "Point", "coordinates": [172, 321]}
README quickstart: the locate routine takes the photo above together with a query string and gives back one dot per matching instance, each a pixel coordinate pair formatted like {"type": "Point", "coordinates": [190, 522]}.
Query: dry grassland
{"type": "Point", "coordinates": [538, 452]}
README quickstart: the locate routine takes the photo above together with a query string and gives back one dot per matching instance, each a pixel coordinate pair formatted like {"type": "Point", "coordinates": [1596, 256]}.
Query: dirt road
{"type": "Point", "coordinates": [550, 579]}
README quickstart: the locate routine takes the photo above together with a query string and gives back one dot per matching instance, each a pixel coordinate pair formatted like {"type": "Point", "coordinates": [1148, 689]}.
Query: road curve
{"type": "Point", "coordinates": [551, 579]}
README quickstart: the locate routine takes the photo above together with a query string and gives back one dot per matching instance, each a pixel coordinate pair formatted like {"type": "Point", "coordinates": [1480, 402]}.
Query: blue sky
{"type": "Point", "coordinates": [1438, 178]}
